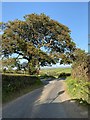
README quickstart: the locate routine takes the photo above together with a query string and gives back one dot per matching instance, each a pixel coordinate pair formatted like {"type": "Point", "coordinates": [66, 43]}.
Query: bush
{"type": "Point", "coordinates": [78, 89]}
{"type": "Point", "coordinates": [79, 84]}
{"type": "Point", "coordinates": [64, 75]}
{"type": "Point", "coordinates": [46, 76]}
{"type": "Point", "coordinates": [15, 83]}
{"type": "Point", "coordinates": [81, 65]}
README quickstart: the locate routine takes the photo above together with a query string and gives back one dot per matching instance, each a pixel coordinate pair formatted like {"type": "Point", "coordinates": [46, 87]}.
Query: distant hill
{"type": "Point", "coordinates": [56, 66]}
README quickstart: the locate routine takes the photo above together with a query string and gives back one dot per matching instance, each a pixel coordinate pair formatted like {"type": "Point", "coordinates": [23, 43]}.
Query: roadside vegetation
{"type": "Point", "coordinates": [78, 90]}
{"type": "Point", "coordinates": [78, 84]}
{"type": "Point", "coordinates": [14, 86]}
{"type": "Point", "coordinates": [55, 72]}
{"type": "Point", "coordinates": [40, 41]}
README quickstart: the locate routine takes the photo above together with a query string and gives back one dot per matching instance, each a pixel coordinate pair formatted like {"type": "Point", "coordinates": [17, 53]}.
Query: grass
{"type": "Point", "coordinates": [46, 73]}
{"type": "Point", "coordinates": [49, 71]}
{"type": "Point", "coordinates": [16, 74]}
{"type": "Point", "coordinates": [15, 85]}
{"type": "Point", "coordinates": [17, 94]}
{"type": "Point", "coordinates": [78, 90]}
{"type": "Point", "coordinates": [55, 71]}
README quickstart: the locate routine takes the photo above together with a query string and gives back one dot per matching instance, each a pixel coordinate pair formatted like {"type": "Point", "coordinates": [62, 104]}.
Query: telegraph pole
{"type": "Point", "coordinates": [88, 28]}
{"type": "Point", "coordinates": [89, 44]}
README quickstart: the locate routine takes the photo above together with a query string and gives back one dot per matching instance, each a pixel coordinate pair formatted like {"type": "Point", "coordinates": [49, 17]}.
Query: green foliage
{"type": "Point", "coordinates": [80, 67]}
{"type": "Point", "coordinates": [55, 71]}
{"type": "Point", "coordinates": [64, 75]}
{"type": "Point", "coordinates": [80, 57]}
{"type": "Point", "coordinates": [9, 63]}
{"type": "Point", "coordinates": [79, 84]}
{"type": "Point", "coordinates": [46, 76]}
{"type": "Point", "coordinates": [11, 84]}
{"type": "Point", "coordinates": [78, 89]}
{"type": "Point", "coordinates": [28, 37]}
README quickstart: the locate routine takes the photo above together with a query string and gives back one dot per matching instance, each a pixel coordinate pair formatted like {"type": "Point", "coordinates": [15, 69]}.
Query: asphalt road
{"type": "Point", "coordinates": [49, 101]}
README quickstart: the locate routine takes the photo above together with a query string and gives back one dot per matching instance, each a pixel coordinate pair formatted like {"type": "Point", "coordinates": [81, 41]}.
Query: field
{"type": "Point", "coordinates": [77, 89]}
{"type": "Point", "coordinates": [21, 82]}
{"type": "Point", "coordinates": [55, 71]}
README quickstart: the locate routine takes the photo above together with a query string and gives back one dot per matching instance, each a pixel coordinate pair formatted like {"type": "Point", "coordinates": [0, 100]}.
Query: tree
{"type": "Point", "coordinates": [80, 56]}
{"type": "Point", "coordinates": [80, 66]}
{"type": "Point", "coordinates": [0, 44]}
{"type": "Point", "coordinates": [7, 64]}
{"type": "Point", "coordinates": [39, 39]}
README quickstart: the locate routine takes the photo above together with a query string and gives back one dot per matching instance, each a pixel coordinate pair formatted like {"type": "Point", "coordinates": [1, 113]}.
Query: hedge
{"type": "Point", "coordinates": [80, 81]}
{"type": "Point", "coordinates": [14, 83]}
{"type": "Point", "coordinates": [78, 89]}
{"type": "Point", "coordinates": [81, 68]}
{"type": "Point", "coordinates": [64, 75]}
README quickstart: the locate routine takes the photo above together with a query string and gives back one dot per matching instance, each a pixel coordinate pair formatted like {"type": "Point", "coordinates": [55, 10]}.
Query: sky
{"type": "Point", "coordinates": [44, 0]}
{"type": "Point", "coordinates": [72, 14]}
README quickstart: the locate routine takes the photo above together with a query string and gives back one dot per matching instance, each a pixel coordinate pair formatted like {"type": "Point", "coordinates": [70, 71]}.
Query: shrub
{"type": "Point", "coordinates": [46, 76]}
{"type": "Point", "coordinates": [64, 75]}
{"type": "Point", "coordinates": [79, 84]}
{"type": "Point", "coordinates": [14, 83]}
{"type": "Point", "coordinates": [80, 67]}
{"type": "Point", "coordinates": [78, 89]}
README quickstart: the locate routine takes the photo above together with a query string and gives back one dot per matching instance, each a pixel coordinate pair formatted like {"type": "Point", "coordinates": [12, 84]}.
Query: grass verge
{"type": "Point", "coordinates": [8, 98]}
{"type": "Point", "coordinates": [78, 90]}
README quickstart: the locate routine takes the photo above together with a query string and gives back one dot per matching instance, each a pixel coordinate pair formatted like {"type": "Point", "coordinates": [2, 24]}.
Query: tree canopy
{"type": "Point", "coordinates": [38, 39]}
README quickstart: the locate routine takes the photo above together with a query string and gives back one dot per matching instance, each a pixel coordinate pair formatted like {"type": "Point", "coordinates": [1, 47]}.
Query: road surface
{"type": "Point", "coordinates": [50, 101]}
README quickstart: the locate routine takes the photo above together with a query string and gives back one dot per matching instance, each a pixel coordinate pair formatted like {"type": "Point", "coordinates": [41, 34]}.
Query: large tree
{"type": "Point", "coordinates": [39, 39]}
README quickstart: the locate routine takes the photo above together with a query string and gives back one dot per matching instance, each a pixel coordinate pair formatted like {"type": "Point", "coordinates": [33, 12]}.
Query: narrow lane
{"type": "Point", "coordinates": [47, 102]}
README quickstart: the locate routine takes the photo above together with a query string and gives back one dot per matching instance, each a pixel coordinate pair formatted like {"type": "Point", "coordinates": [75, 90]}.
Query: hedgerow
{"type": "Point", "coordinates": [11, 84]}
{"type": "Point", "coordinates": [79, 82]}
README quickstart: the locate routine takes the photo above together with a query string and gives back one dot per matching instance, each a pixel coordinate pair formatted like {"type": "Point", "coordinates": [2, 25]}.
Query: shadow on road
{"type": "Point", "coordinates": [47, 80]}
{"type": "Point", "coordinates": [30, 106]}
{"type": "Point", "coordinates": [59, 93]}
{"type": "Point", "coordinates": [22, 106]}
{"type": "Point", "coordinates": [27, 108]}
{"type": "Point", "coordinates": [66, 109]}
